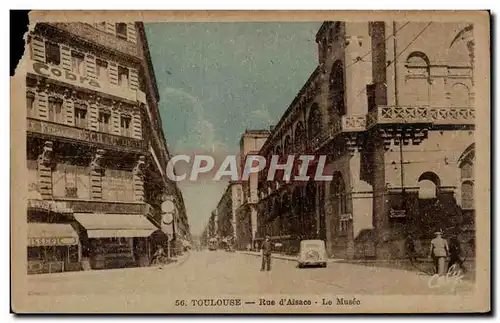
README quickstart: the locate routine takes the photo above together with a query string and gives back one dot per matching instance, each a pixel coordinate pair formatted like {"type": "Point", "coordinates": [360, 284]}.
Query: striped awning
{"type": "Point", "coordinates": [51, 234]}
{"type": "Point", "coordinates": [115, 225]}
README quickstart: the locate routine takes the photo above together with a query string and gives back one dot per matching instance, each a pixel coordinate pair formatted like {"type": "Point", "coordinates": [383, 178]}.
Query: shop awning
{"type": "Point", "coordinates": [51, 234]}
{"type": "Point", "coordinates": [115, 225]}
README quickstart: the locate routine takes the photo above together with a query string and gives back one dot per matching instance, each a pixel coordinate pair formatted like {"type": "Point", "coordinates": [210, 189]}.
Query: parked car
{"type": "Point", "coordinates": [312, 253]}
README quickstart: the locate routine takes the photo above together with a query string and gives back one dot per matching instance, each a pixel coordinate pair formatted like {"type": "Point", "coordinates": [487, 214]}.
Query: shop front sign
{"type": "Point", "coordinates": [107, 207]}
{"type": "Point", "coordinates": [52, 241]}
{"type": "Point", "coordinates": [68, 77]}
{"type": "Point", "coordinates": [394, 213]}
{"type": "Point", "coordinates": [49, 206]}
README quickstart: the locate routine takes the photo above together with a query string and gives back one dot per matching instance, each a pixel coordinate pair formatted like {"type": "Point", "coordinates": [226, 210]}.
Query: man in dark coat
{"type": "Point", "coordinates": [455, 252]}
{"type": "Point", "coordinates": [266, 254]}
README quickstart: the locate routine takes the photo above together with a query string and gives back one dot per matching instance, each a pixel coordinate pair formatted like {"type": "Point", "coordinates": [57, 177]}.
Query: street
{"type": "Point", "coordinates": [216, 274]}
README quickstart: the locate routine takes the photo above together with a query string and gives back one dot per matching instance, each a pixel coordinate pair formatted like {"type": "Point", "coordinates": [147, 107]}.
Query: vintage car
{"type": "Point", "coordinates": [312, 253]}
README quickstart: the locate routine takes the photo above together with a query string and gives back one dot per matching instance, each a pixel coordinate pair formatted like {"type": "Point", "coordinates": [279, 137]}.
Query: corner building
{"type": "Point", "coordinates": [96, 152]}
{"type": "Point", "coordinates": [391, 104]}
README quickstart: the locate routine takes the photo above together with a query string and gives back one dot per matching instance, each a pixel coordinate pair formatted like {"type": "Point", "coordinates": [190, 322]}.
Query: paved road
{"type": "Point", "coordinates": [217, 273]}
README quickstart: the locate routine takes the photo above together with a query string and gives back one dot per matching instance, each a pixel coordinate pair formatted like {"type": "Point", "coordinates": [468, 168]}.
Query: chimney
{"type": "Point", "coordinates": [271, 127]}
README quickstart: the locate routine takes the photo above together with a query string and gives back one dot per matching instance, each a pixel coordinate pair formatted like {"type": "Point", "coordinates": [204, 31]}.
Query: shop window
{"type": "Point", "coordinates": [102, 70]}
{"type": "Point", "coordinates": [125, 126]}
{"type": "Point", "coordinates": [80, 115]}
{"type": "Point", "coordinates": [52, 53]}
{"type": "Point", "coordinates": [104, 118]}
{"type": "Point", "coordinates": [30, 104]}
{"type": "Point", "coordinates": [121, 30]}
{"type": "Point", "coordinates": [55, 110]}
{"type": "Point", "coordinates": [123, 76]}
{"type": "Point", "coordinates": [77, 65]}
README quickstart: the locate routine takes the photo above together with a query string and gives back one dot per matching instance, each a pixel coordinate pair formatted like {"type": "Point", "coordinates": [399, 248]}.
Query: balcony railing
{"type": "Point", "coordinates": [83, 135]}
{"type": "Point", "coordinates": [409, 115]}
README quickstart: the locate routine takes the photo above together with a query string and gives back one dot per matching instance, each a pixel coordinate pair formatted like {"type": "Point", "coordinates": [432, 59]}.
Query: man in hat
{"type": "Point", "coordinates": [266, 254]}
{"type": "Point", "coordinates": [439, 251]}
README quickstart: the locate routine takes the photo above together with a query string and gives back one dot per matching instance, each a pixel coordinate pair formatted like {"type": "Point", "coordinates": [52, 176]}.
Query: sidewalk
{"type": "Point", "coordinates": [112, 271]}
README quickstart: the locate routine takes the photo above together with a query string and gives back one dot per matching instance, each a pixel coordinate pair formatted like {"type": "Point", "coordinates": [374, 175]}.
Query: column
{"type": "Point", "coordinates": [94, 113]}
{"type": "Point", "coordinates": [42, 101]}
{"type": "Point", "coordinates": [362, 204]}
{"type": "Point", "coordinates": [96, 174]}
{"type": "Point", "coordinates": [138, 178]}
{"type": "Point", "coordinates": [45, 170]}
{"type": "Point", "coordinates": [357, 69]}
{"type": "Point", "coordinates": [69, 108]}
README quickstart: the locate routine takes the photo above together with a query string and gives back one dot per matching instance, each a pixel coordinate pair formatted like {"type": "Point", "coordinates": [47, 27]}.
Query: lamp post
{"type": "Point", "coordinates": [167, 219]}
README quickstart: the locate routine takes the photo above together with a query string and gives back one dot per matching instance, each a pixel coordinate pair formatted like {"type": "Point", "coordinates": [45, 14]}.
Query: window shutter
{"type": "Point", "coordinates": [115, 122]}
{"type": "Point", "coordinates": [134, 82]}
{"type": "Point", "coordinates": [69, 112]}
{"type": "Point", "coordinates": [93, 114]}
{"type": "Point", "coordinates": [113, 73]}
{"type": "Point", "coordinates": [90, 66]}
{"type": "Point", "coordinates": [136, 126]}
{"type": "Point", "coordinates": [131, 36]}
{"type": "Point", "coordinates": [66, 57]}
{"type": "Point", "coordinates": [110, 28]}
{"type": "Point", "coordinates": [38, 47]}
{"type": "Point", "coordinates": [43, 105]}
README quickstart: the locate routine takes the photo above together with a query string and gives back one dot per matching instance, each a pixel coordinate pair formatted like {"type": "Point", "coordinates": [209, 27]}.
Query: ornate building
{"type": "Point", "coordinates": [391, 104]}
{"type": "Point", "coordinates": [96, 151]}
{"type": "Point", "coordinates": [225, 213]}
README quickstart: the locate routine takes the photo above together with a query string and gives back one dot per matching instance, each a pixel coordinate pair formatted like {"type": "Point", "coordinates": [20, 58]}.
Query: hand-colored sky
{"type": "Point", "coordinates": [218, 79]}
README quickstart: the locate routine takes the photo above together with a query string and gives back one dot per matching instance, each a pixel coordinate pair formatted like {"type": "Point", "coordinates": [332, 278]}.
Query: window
{"type": "Point", "coordinates": [102, 70]}
{"type": "Point", "coordinates": [122, 76]}
{"type": "Point", "coordinates": [336, 88]}
{"type": "Point", "coordinates": [104, 117]}
{"type": "Point", "coordinates": [77, 65]}
{"type": "Point", "coordinates": [80, 115]}
{"type": "Point", "coordinates": [70, 183]}
{"type": "Point", "coordinates": [30, 100]}
{"type": "Point", "coordinates": [467, 170]}
{"type": "Point", "coordinates": [121, 30]}
{"type": "Point", "coordinates": [125, 125]}
{"type": "Point", "coordinates": [52, 54]}
{"type": "Point", "coordinates": [55, 110]}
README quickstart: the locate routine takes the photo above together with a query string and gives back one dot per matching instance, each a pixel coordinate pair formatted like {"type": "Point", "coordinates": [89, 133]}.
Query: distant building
{"type": "Point", "coordinates": [246, 214]}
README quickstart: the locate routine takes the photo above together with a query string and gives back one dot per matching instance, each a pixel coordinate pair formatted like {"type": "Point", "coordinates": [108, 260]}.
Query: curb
{"type": "Point", "coordinates": [272, 256]}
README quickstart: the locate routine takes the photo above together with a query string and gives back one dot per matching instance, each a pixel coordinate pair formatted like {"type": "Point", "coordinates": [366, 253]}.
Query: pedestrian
{"type": "Point", "coordinates": [455, 252]}
{"type": "Point", "coordinates": [439, 252]}
{"type": "Point", "coordinates": [410, 248]}
{"type": "Point", "coordinates": [266, 254]}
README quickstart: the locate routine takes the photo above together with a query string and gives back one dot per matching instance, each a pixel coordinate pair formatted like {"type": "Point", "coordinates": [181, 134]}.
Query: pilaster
{"type": "Point", "coordinates": [45, 170]}
{"type": "Point", "coordinates": [138, 178]}
{"type": "Point", "coordinates": [96, 174]}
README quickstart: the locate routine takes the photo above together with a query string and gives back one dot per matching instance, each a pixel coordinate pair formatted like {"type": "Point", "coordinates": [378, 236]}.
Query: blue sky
{"type": "Point", "coordinates": [218, 79]}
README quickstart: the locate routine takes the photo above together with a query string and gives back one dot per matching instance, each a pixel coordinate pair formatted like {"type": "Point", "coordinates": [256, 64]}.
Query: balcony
{"type": "Point", "coordinates": [422, 115]}
{"type": "Point", "coordinates": [49, 129]}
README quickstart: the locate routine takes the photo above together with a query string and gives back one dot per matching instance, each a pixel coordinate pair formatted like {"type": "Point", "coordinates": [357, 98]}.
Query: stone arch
{"type": "Point", "coordinates": [461, 50]}
{"type": "Point", "coordinates": [460, 95]}
{"type": "Point", "coordinates": [336, 88]}
{"type": "Point", "coordinates": [428, 183]}
{"type": "Point", "coordinates": [314, 121]}
{"type": "Point", "coordinates": [299, 138]}
{"type": "Point", "coordinates": [418, 59]}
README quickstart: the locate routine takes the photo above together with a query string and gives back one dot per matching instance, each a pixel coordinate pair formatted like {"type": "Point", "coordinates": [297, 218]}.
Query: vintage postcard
{"type": "Point", "coordinates": [252, 162]}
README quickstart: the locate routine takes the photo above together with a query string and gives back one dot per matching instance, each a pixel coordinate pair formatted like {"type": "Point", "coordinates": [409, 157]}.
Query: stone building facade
{"type": "Point", "coordinates": [391, 104]}
{"type": "Point", "coordinates": [96, 151]}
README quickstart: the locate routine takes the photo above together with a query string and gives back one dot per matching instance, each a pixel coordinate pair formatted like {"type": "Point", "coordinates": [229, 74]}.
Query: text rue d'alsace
{"type": "Point", "coordinates": [294, 302]}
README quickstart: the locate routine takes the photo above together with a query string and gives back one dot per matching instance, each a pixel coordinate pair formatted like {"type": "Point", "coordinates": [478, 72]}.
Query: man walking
{"type": "Point", "coordinates": [266, 255]}
{"type": "Point", "coordinates": [410, 248]}
{"type": "Point", "coordinates": [439, 251]}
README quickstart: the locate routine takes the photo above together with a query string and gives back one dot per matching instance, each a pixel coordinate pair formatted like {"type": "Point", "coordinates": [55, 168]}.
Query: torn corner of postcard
{"type": "Point", "coordinates": [243, 162]}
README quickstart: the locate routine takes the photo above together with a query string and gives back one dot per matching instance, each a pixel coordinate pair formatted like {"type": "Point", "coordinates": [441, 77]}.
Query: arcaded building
{"type": "Point", "coordinates": [96, 151]}
{"type": "Point", "coordinates": [391, 104]}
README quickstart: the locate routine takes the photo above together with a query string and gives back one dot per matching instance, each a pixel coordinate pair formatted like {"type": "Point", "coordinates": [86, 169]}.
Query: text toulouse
{"type": "Point", "coordinates": [301, 167]}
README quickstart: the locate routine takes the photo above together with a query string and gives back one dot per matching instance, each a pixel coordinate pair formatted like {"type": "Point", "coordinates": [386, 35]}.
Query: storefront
{"type": "Point", "coordinates": [52, 247]}
{"type": "Point", "coordinates": [115, 240]}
